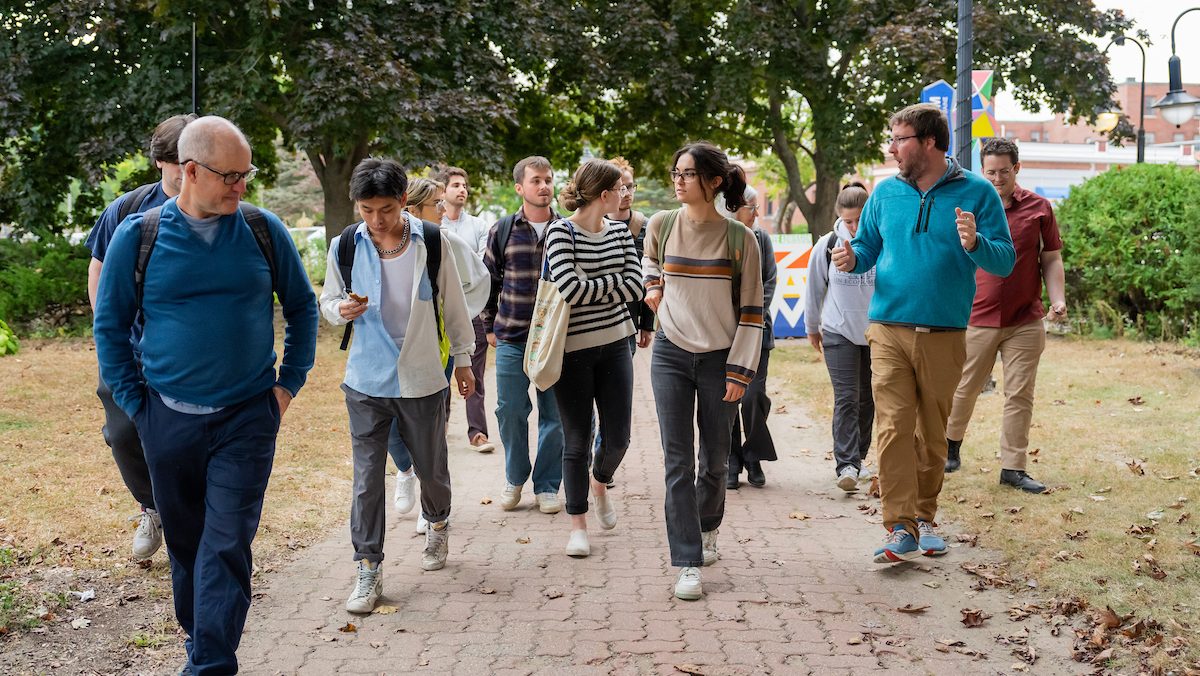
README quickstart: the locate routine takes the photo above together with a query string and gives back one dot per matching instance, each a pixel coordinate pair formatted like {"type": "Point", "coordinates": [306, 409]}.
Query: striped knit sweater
{"type": "Point", "coordinates": [597, 275]}
{"type": "Point", "coordinates": [695, 275]}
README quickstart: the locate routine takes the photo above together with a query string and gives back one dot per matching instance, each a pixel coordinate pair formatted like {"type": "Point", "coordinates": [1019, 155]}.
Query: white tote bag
{"type": "Point", "coordinates": [547, 332]}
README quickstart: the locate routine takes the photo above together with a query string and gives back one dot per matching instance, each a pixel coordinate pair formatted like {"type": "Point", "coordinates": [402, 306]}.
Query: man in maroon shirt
{"type": "Point", "coordinates": [1007, 318]}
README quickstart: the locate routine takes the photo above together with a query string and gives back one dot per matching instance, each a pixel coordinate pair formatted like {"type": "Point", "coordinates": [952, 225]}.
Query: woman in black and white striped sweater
{"type": "Point", "coordinates": [593, 262]}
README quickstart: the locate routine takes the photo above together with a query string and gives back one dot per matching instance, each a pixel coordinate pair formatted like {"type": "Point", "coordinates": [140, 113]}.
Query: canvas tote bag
{"type": "Point", "coordinates": [547, 331]}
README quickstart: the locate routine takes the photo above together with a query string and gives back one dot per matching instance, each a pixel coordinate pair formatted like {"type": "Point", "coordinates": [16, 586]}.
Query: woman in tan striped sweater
{"type": "Point", "coordinates": [703, 280]}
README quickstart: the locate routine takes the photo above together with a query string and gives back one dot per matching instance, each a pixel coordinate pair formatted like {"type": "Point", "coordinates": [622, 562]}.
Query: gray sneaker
{"type": "Point", "coordinates": [848, 479]}
{"type": "Point", "coordinates": [687, 585]}
{"type": "Point", "coordinates": [368, 587]}
{"type": "Point", "coordinates": [708, 545]}
{"type": "Point", "coordinates": [149, 535]}
{"type": "Point", "coordinates": [437, 545]}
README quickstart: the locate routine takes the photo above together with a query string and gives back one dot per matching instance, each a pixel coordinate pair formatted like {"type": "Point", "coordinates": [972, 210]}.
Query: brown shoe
{"type": "Point", "coordinates": [480, 443]}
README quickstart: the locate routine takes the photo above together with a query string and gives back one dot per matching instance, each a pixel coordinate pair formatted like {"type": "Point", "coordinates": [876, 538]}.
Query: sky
{"type": "Point", "coordinates": [1155, 17]}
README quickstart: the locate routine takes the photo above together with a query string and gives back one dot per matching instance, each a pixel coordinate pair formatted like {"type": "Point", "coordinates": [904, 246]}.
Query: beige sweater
{"type": "Point", "coordinates": [695, 275]}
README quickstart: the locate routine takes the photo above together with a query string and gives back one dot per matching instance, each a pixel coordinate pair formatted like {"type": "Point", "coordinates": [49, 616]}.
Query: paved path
{"type": "Point", "coordinates": [794, 592]}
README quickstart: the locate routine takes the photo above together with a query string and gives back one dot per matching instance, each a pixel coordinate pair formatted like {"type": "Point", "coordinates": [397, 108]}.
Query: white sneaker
{"type": "Point", "coordinates": [422, 524]}
{"type": "Point", "coordinates": [848, 479]}
{"type": "Point", "coordinates": [578, 545]}
{"type": "Point", "coordinates": [437, 545]}
{"type": "Point", "coordinates": [149, 535]}
{"type": "Point", "coordinates": [687, 587]}
{"type": "Point", "coordinates": [548, 503]}
{"type": "Point", "coordinates": [606, 512]}
{"type": "Point", "coordinates": [708, 544]}
{"type": "Point", "coordinates": [865, 472]}
{"type": "Point", "coordinates": [406, 492]}
{"type": "Point", "coordinates": [510, 497]}
{"type": "Point", "coordinates": [367, 589]}
{"type": "Point", "coordinates": [480, 444]}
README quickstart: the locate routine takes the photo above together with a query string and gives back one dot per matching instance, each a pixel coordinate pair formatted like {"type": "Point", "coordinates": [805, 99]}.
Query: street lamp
{"type": "Point", "coordinates": [1177, 106]}
{"type": "Point", "coordinates": [1141, 130]}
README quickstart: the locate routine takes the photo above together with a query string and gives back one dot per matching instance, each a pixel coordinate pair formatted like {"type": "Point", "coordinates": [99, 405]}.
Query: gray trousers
{"type": "Point", "coordinates": [688, 390]}
{"type": "Point", "coordinates": [422, 424]}
{"type": "Point", "coordinates": [853, 406]}
{"type": "Point", "coordinates": [122, 437]}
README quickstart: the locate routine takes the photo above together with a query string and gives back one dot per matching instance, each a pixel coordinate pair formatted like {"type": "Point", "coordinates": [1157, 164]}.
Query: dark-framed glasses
{"type": "Point", "coordinates": [229, 177]}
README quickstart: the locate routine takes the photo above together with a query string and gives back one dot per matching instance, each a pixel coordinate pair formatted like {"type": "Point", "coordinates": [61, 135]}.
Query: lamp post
{"type": "Point", "coordinates": [1141, 130]}
{"type": "Point", "coordinates": [1177, 106]}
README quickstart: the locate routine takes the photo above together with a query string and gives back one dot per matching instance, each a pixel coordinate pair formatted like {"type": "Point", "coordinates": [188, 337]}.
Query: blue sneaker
{"type": "Point", "coordinates": [930, 542]}
{"type": "Point", "coordinates": [898, 546]}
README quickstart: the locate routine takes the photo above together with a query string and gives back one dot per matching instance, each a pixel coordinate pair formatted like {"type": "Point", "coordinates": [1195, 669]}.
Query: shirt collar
{"type": "Point", "coordinates": [417, 228]}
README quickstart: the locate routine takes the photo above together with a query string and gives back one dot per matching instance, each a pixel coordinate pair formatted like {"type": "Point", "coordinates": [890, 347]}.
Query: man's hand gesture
{"type": "Point", "coordinates": [843, 257]}
{"type": "Point", "coordinates": [966, 228]}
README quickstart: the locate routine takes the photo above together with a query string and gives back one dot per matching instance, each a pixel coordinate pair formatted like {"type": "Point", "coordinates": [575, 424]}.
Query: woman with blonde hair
{"type": "Point", "coordinates": [593, 263]}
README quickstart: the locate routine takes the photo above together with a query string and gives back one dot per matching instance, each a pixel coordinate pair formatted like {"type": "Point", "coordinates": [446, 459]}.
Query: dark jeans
{"type": "Point", "coordinates": [755, 407]}
{"type": "Point", "coordinates": [210, 473]}
{"type": "Point", "coordinates": [476, 413]}
{"type": "Point", "coordinates": [689, 389]}
{"type": "Point", "coordinates": [600, 376]}
{"type": "Point", "coordinates": [596, 436]}
{"type": "Point", "coordinates": [122, 437]}
{"type": "Point", "coordinates": [853, 406]}
{"type": "Point", "coordinates": [395, 443]}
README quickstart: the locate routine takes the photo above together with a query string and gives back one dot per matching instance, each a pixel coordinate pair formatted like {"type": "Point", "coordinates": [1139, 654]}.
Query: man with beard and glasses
{"type": "Point", "coordinates": [925, 232]}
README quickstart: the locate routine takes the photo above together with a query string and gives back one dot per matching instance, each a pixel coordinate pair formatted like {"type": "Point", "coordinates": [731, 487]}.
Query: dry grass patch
{"type": "Point", "coordinates": [65, 505]}
{"type": "Point", "coordinates": [1115, 433]}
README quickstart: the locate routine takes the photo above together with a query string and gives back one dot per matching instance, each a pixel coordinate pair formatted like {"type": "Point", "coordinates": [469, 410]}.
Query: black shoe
{"type": "Point", "coordinates": [1017, 478]}
{"type": "Point", "coordinates": [185, 670]}
{"type": "Point", "coordinates": [731, 482]}
{"type": "Point", "coordinates": [754, 474]}
{"type": "Point", "coordinates": [952, 459]}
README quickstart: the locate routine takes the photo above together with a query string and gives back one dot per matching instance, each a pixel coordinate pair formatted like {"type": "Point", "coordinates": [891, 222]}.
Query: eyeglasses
{"type": "Point", "coordinates": [897, 140]}
{"type": "Point", "coordinates": [229, 177]}
{"type": "Point", "coordinates": [627, 189]}
{"type": "Point", "coordinates": [687, 176]}
{"type": "Point", "coordinates": [1002, 173]}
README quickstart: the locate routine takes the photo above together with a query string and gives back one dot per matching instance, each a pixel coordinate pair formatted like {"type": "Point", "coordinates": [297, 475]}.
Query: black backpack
{"type": "Point", "coordinates": [503, 231]}
{"type": "Point", "coordinates": [133, 204]}
{"type": "Point", "coordinates": [149, 228]}
{"type": "Point", "coordinates": [433, 266]}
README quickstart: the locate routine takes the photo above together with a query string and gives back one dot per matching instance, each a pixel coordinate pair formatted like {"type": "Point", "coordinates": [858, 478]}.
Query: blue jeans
{"type": "Point", "coordinates": [209, 474]}
{"type": "Point", "coordinates": [395, 444]}
{"type": "Point", "coordinates": [513, 407]}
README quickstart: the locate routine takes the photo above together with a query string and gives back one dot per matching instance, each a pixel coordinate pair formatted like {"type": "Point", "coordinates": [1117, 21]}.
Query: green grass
{"type": "Point", "coordinates": [1086, 431]}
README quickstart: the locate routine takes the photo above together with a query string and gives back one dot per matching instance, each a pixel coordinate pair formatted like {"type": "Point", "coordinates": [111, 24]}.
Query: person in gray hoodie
{"type": "Point", "coordinates": [835, 319]}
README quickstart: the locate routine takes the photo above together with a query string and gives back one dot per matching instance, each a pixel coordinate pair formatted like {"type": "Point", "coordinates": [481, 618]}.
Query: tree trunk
{"type": "Point", "coordinates": [334, 172]}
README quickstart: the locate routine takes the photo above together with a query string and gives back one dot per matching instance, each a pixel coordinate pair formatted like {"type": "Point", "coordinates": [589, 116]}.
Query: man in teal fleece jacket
{"type": "Point", "coordinates": [207, 401]}
{"type": "Point", "coordinates": [925, 232]}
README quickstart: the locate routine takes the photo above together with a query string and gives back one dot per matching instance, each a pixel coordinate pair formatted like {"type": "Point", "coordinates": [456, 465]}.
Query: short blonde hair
{"type": "Point", "coordinates": [421, 191]}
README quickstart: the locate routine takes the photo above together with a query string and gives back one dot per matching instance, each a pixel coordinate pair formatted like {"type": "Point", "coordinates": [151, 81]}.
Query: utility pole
{"type": "Point", "coordinates": [195, 74]}
{"type": "Point", "coordinates": [962, 121]}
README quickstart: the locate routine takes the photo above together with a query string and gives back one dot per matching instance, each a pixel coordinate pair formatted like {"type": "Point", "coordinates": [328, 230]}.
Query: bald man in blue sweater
{"type": "Point", "coordinates": [207, 402]}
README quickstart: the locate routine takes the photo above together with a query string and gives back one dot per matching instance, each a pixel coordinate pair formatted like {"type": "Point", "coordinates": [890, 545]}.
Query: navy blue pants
{"type": "Point", "coordinates": [209, 474]}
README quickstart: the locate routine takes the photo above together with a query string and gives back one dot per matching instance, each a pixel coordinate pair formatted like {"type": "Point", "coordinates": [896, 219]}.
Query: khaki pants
{"type": "Point", "coordinates": [1020, 349]}
{"type": "Point", "coordinates": [913, 379]}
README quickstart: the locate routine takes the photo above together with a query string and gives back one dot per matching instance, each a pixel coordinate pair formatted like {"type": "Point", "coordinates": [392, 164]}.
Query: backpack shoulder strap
{"type": "Point", "coordinates": [257, 221]}
{"type": "Point", "coordinates": [133, 203]}
{"type": "Point", "coordinates": [735, 246]}
{"type": "Point", "coordinates": [433, 267]}
{"type": "Point", "coordinates": [829, 246]}
{"type": "Point", "coordinates": [503, 232]}
{"type": "Point", "coordinates": [149, 234]}
{"type": "Point", "coordinates": [664, 231]}
{"type": "Point", "coordinates": [345, 256]}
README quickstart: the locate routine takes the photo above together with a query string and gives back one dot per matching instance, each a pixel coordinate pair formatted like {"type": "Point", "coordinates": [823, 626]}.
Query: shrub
{"type": "Point", "coordinates": [1132, 249]}
{"type": "Point", "coordinates": [8, 345]}
{"type": "Point", "coordinates": [44, 282]}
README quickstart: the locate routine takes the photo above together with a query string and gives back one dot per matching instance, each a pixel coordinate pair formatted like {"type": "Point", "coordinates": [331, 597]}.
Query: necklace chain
{"type": "Point", "coordinates": [399, 247]}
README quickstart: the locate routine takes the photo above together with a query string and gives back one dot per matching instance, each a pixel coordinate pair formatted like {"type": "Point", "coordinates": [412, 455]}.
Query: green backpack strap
{"type": "Point", "coordinates": [664, 231]}
{"type": "Point", "coordinates": [735, 247]}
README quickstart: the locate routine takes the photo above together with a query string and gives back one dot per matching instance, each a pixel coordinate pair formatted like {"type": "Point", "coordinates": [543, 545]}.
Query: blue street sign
{"type": "Point", "coordinates": [941, 94]}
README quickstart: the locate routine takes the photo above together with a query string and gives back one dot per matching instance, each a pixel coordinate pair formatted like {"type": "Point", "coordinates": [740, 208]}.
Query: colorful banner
{"type": "Point", "coordinates": [787, 308]}
{"type": "Point", "coordinates": [983, 110]}
{"type": "Point", "coordinates": [941, 94]}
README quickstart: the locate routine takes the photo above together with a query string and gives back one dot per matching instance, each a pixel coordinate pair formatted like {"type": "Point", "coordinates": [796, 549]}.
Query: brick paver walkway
{"type": "Point", "coordinates": [794, 592]}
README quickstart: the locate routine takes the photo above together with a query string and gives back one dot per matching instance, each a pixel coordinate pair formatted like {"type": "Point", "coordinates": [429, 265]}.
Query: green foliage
{"type": "Point", "coordinates": [8, 345]}
{"type": "Point", "coordinates": [43, 281]}
{"type": "Point", "coordinates": [1132, 249]}
{"type": "Point", "coordinates": [313, 255]}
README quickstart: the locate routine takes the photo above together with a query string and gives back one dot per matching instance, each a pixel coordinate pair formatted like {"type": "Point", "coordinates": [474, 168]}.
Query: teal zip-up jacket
{"type": "Point", "coordinates": [923, 276]}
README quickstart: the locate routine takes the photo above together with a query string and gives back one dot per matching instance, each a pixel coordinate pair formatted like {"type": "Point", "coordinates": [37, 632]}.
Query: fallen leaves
{"type": "Point", "coordinates": [485, 501]}
{"type": "Point", "coordinates": [968, 538]}
{"type": "Point", "coordinates": [1136, 400]}
{"type": "Point", "coordinates": [873, 490]}
{"type": "Point", "coordinates": [692, 669]}
{"type": "Point", "coordinates": [1138, 467]}
{"type": "Point", "coordinates": [349, 628]}
{"type": "Point", "coordinates": [523, 540]}
{"type": "Point", "coordinates": [385, 610]}
{"type": "Point", "coordinates": [81, 623]}
{"type": "Point", "coordinates": [799, 516]}
{"type": "Point", "coordinates": [487, 591]}
{"type": "Point", "coordinates": [973, 617]}
{"type": "Point", "coordinates": [553, 593]}
{"type": "Point", "coordinates": [1148, 565]}
{"type": "Point", "coordinates": [990, 574]}
{"type": "Point", "coordinates": [1078, 535]}
{"type": "Point", "coordinates": [911, 609]}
